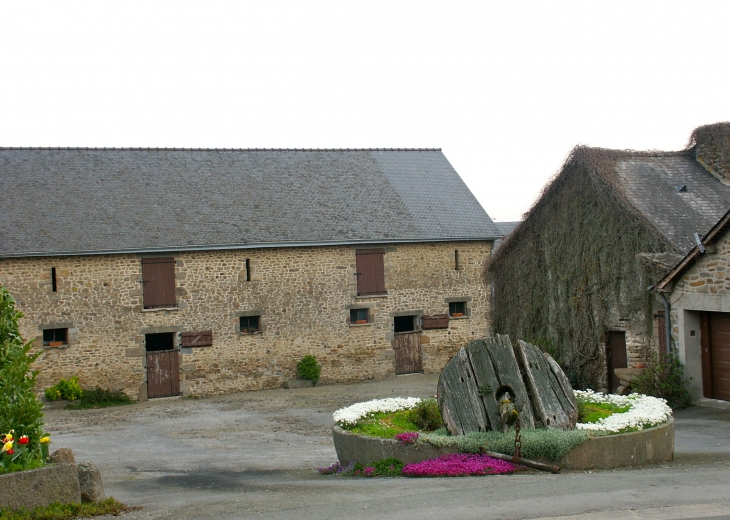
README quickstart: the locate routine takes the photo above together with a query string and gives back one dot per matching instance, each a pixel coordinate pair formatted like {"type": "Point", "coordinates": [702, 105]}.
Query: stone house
{"type": "Point", "coordinates": [698, 293]}
{"type": "Point", "coordinates": [168, 271]}
{"type": "Point", "coordinates": [573, 276]}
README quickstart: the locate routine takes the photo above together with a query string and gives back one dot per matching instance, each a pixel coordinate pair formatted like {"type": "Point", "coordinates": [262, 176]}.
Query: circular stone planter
{"type": "Point", "coordinates": [651, 446]}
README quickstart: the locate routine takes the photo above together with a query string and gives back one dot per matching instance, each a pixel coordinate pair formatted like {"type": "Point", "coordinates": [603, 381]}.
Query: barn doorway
{"type": "Point", "coordinates": [715, 342]}
{"type": "Point", "coordinates": [615, 357]}
{"type": "Point", "coordinates": [407, 345]}
{"type": "Point", "coordinates": [163, 377]}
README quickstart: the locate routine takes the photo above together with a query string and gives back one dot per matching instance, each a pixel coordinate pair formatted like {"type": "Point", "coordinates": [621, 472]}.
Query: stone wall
{"type": "Point", "coordinates": [704, 287]}
{"type": "Point", "coordinates": [303, 296]}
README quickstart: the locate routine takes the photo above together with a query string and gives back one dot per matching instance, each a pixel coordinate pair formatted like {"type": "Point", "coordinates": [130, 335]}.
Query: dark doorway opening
{"type": "Point", "coordinates": [160, 341]}
{"type": "Point", "coordinates": [615, 357]}
{"type": "Point", "coordinates": [404, 324]}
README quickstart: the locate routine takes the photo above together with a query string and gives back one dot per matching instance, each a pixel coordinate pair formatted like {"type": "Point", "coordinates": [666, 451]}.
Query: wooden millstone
{"type": "Point", "coordinates": [479, 375]}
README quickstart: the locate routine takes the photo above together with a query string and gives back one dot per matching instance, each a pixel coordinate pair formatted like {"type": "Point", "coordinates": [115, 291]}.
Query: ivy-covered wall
{"type": "Point", "coordinates": [570, 272]}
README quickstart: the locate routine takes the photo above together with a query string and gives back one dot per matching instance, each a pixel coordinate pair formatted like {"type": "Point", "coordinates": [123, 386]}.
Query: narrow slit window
{"type": "Point", "coordinates": [248, 270]}
{"type": "Point", "coordinates": [54, 284]}
{"type": "Point", "coordinates": [456, 260]}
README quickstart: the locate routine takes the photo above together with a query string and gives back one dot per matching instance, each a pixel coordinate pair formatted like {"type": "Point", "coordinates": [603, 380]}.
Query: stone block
{"type": "Point", "coordinates": [62, 455]}
{"type": "Point", "coordinates": [40, 487]}
{"type": "Point", "coordinates": [627, 374]}
{"type": "Point", "coordinates": [135, 352]}
{"type": "Point", "coordinates": [90, 484]}
{"type": "Point", "coordinates": [298, 383]}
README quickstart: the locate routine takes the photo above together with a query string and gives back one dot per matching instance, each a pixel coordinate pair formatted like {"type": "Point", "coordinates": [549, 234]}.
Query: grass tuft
{"type": "Point", "coordinates": [110, 506]}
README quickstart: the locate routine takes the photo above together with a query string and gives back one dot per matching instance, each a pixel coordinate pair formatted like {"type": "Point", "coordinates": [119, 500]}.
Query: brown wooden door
{"type": "Point", "coordinates": [163, 377]}
{"type": "Point", "coordinates": [716, 355]}
{"type": "Point", "coordinates": [615, 357]}
{"type": "Point", "coordinates": [408, 352]}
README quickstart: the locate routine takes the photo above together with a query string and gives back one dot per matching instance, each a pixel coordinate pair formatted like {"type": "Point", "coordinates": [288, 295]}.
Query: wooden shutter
{"type": "Point", "coordinates": [661, 327]}
{"type": "Point", "coordinates": [436, 321]}
{"type": "Point", "coordinates": [158, 279]}
{"type": "Point", "coordinates": [370, 271]}
{"type": "Point", "coordinates": [203, 338]}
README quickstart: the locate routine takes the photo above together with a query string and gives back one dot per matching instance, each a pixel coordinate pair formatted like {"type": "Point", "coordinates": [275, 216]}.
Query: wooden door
{"type": "Point", "coordinates": [163, 377]}
{"type": "Point", "coordinates": [715, 328]}
{"type": "Point", "coordinates": [408, 352]}
{"type": "Point", "coordinates": [615, 357]}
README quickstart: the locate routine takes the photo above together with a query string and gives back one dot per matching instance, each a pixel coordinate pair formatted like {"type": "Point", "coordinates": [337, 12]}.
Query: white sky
{"type": "Point", "coordinates": [505, 88]}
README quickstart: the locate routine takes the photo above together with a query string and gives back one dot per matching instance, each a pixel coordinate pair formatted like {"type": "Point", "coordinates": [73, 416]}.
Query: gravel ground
{"type": "Point", "coordinates": [253, 455]}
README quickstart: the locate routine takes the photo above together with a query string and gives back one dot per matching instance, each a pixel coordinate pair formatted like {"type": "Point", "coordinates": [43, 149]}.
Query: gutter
{"type": "Point", "coordinates": [252, 245]}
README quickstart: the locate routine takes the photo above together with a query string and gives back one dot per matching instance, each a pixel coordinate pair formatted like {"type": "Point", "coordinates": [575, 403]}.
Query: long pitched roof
{"type": "Point", "coordinates": [675, 193]}
{"type": "Point", "coordinates": [86, 201]}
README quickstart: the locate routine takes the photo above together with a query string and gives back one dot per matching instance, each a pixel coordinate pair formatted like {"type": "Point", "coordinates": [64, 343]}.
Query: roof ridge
{"type": "Point", "coordinates": [152, 149]}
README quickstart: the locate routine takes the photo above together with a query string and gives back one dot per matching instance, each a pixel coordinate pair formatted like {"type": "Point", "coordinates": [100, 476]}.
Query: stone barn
{"type": "Point", "coordinates": [573, 277]}
{"type": "Point", "coordinates": [198, 272]}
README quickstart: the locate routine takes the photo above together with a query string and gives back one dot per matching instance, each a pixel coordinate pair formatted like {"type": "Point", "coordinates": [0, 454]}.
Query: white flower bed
{"type": "Point", "coordinates": [644, 411]}
{"type": "Point", "coordinates": [352, 414]}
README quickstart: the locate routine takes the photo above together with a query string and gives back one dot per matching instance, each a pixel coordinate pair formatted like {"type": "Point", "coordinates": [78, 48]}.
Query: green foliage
{"type": "Point", "coordinates": [20, 410]}
{"type": "Point", "coordinates": [68, 389]}
{"type": "Point", "coordinates": [664, 377]}
{"type": "Point", "coordinates": [110, 506]}
{"type": "Point", "coordinates": [308, 368]}
{"type": "Point", "coordinates": [593, 412]}
{"type": "Point", "coordinates": [572, 265]}
{"type": "Point", "coordinates": [544, 443]}
{"type": "Point", "coordinates": [388, 468]}
{"type": "Point", "coordinates": [385, 424]}
{"type": "Point", "coordinates": [426, 415]}
{"type": "Point", "coordinates": [100, 398]}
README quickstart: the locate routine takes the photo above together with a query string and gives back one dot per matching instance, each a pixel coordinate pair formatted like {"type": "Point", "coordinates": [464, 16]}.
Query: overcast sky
{"type": "Point", "coordinates": [506, 89]}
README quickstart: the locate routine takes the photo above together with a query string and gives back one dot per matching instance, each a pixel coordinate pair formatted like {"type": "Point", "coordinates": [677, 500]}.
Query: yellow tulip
{"type": "Point", "coordinates": [45, 440]}
{"type": "Point", "coordinates": [9, 436]}
{"type": "Point", "coordinates": [8, 446]}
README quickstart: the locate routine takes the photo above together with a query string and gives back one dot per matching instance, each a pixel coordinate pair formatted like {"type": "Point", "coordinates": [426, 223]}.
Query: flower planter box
{"type": "Point", "coordinates": [651, 446]}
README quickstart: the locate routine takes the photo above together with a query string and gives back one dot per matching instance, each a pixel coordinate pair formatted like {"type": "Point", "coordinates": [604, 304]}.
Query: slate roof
{"type": "Point", "coordinates": [505, 228]}
{"type": "Point", "coordinates": [81, 201]}
{"type": "Point", "coordinates": [653, 185]}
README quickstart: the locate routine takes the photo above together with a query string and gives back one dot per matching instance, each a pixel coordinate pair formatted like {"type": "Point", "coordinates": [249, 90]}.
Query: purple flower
{"type": "Point", "coordinates": [407, 438]}
{"type": "Point", "coordinates": [458, 465]}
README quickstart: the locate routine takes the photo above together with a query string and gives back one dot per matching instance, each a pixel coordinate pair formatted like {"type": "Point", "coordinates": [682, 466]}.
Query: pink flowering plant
{"type": "Point", "coordinates": [407, 437]}
{"type": "Point", "coordinates": [459, 465]}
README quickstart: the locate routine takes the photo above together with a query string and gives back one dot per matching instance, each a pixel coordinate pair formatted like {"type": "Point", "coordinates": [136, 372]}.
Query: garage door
{"type": "Point", "coordinates": [716, 355]}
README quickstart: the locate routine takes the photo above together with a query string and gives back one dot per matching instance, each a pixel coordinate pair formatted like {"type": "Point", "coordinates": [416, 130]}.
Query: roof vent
{"type": "Point", "coordinates": [682, 188]}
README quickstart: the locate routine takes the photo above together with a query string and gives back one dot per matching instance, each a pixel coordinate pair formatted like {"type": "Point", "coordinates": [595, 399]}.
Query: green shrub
{"type": "Point", "coordinates": [426, 415]}
{"type": "Point", "coordinates": [20, 410]}
{"type": "Point", "coordinates": [664, 377]}
{"type": "Point", "coordinates": [100, 398]}
{"type": "Point", "coordinates": [69, 390]}
{"type": "Point", "coordinates": [308, 368]}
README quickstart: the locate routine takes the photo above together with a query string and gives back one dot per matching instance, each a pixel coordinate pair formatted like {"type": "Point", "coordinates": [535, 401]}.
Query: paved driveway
{"type": "Point", "coordinates": [253, 455]}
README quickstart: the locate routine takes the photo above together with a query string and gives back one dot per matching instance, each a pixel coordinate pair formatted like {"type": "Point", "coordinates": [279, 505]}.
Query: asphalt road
{"type": "Point", "coordinates": [254, 455]}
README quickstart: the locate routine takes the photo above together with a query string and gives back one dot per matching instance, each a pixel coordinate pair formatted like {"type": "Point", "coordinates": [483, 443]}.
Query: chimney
{"type": "Point", "coordinates": [711, 148]}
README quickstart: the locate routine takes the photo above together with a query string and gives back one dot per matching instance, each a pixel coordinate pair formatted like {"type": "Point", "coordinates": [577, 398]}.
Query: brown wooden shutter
{"type": "Point", "coordinates": [203, 338]}
{"type": "Point", "coordinates": [436, 321]}
{"type": "Point", "coordinates": [158, 279]}
{"type": "Point", "coordinates": [370, 271]}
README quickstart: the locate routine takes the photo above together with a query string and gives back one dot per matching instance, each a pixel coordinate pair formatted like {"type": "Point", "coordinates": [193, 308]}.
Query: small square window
{"type": "Point", "coordinates": [55, 337]}
{"type": "Point", "coordinates": [250, 324]}
{"type": "Point", "coordinates": [457, 309]}
{"type": "Point", "coordinates": [359, 316]}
